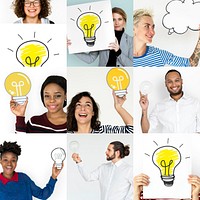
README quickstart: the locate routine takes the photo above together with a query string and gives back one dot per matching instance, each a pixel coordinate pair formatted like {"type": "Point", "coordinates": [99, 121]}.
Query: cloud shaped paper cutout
{"type": "Point", "coordinates": [181, 16]}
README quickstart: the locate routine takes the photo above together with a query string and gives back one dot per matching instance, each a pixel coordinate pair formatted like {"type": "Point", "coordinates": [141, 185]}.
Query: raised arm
{"type": "Point", "coordinates": [194, 59]}
{"type": "Point", "coordinates": [144, 103]}
{"type": "Point", "coordinates": [118, 104]}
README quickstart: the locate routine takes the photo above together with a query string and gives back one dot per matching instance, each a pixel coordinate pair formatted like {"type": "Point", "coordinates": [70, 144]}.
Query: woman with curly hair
{"type": "Point", "coordinates": [32, 11]}
{"type": "Point", "coordinates": [17, 185]}
{"type": "Point", "coordinates": [83, 116]}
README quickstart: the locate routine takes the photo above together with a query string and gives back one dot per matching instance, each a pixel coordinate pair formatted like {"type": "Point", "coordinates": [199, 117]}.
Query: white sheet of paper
{"type": "Point", "coordinates": [156, 188]}
{"type": "Point", "coordinates": [104, 33]}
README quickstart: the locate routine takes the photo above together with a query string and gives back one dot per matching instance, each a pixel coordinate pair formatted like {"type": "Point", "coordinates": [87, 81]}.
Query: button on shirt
{"type": "Point", "coordinates": [116, 180]}
{"type": "Point", "coordinates": [182, 116]}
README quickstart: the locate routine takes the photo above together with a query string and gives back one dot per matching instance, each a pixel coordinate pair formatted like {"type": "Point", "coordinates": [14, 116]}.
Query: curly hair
{"type": "Point", "coordinates": [12, 147]}
{"type": "Point", "coordinates": [123, 149]}
{"type": "Point", "coordinates": [59, 80]}
{"type": "Point", "coordinates": [18, 6]}
{"type": "Point", "coordinates": [71, 120]}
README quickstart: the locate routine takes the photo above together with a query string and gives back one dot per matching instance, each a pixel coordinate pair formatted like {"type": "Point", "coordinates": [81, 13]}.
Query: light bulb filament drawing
{"type": "Point", "coordinates": [88, 23]}
{"type": "Point", "coordinates": [29, 63]}
{"type": "Point", "coordinates": [167, 158]}
{"type": "Point", "coordinates": [118, 80]}
{"type": "Point", "coordinates": [18, 86]}
{"type": "Point", "coordinates": [32, 53]}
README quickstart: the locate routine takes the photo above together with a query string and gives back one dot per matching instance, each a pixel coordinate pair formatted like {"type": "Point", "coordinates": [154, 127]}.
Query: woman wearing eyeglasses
{"type": "Point", "coordinates": [32, 11]}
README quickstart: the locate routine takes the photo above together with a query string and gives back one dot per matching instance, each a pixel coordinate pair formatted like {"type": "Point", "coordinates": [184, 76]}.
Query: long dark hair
{"type": "Point", "coordinates": [71, 120]}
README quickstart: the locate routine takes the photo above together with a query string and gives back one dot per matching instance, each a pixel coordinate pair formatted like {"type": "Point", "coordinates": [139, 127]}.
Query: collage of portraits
{"type": "Point", "coordinates": [100, 99]}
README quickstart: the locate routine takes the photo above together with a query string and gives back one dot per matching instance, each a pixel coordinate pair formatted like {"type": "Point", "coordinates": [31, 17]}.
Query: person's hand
{"type": "Point", "coordinates": [76, 158]}
{"type": "Point", "coordinates": [18, 109]}
{"type": "Point", "coordinates": [68, 42]}
{"type": "Point", "coordinates": [55, 171]}
{"type": "Point", "coordinates": [118, 101]}
{"type": "Point", "coordinates": [114, 45]}
{"type": "Point", "coordinates": [195, 182]}
{"type": "Point", "coordinates": [144, 102]}
{"type": "Point", "coordinates": [140, 181]}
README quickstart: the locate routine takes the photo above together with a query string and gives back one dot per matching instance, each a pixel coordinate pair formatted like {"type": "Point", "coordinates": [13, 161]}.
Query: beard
{"type": "Point", "coordinates": [172, 93]}
{"type": "Point", "coordinates": [110, 157]}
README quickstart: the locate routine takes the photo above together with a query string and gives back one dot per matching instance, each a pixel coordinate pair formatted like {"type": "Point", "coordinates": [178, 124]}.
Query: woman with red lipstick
{"type": "Point", "coordinates": [32, 11]}
{"type": "Point", "coordinates": [83, 116]}
{"type": "Point", "coordinates": [119, 53]}
{"type": "Point", "coordinates": [150, 56]}
{"type": "Point", "coordinates": [53, 96]}
{"type": "Point", "coordinates": [17, 185]}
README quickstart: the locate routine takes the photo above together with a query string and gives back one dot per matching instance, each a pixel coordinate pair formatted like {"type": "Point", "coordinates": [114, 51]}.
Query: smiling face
{"type": "Point", "coordinates": [54, 97]}
{"type": "Point", "coordinates": [32, 8]}
{"type": "Point", "coordinates": [118, 22]}
{"type": "Point", "coordinates": [174, 83]}
{"type": "Point", "coordinates": [84, 111]}
{"type": "Point", "coordinates": [144, 30]}
{"type": "Point", "coordinates": [9, 163]}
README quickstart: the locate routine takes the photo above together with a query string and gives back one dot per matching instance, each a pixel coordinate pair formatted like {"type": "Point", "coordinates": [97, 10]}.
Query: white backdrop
{"type": "Point", "coordinates": [93, 80]}
{"type": "Point", "coordinates": [35, 159]}
{"type": "Point", "coordinates": [58, 15]}
{"type": "Point", "coordinates": [92, 149]}
{"type": "Point", "coordinates": [156, 76]}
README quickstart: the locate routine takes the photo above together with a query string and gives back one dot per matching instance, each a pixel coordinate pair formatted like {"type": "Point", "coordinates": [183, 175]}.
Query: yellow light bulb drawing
{"type": "Point", "coordinates": [166, 158]}
{"type": "Point", "coordinates": [88, 23]}
{"type": "Point", "coordinates": [32, 53]}
{"type": "Point", "coordinates": [18, 85]}
{"type": "Point", "coordinates": [118, 79]}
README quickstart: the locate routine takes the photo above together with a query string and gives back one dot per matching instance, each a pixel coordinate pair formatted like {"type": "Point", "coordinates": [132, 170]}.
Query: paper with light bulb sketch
{"type": "Point", "coordinates": [90, 26]}
{"type": "Point", "coordinates": [167, 161]}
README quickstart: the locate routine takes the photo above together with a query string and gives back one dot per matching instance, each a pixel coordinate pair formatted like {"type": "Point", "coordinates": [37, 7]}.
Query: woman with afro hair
{"type": "Point", "coordinates": [17, 185]}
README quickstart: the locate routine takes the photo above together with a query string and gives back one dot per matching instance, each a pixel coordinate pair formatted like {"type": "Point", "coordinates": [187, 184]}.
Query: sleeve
{"type": "Point", "coordinates": [129, 195]}
{"type": "Point", "coordinates": [153, 119]}
{"type": "Point", "coordinates": [88, 57]}
{"type": "Point", "coordinates": [44, 193]}
{"type": "Point", "coordinates": [88, 176]}
{"type": "Point", "coordinates": [20, 125]}
{"type": "Point", "coordinates": [171, 59]}
{"type": "Point", "coordinates": [116, 129]}
{"type": "Point", "coordinates": [198, 118]}
{"type": "Point", "coordinates": [126, 59]}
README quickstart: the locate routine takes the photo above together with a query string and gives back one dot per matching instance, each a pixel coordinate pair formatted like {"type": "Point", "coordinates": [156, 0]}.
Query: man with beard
{"type": "Point", "coordinates": [115, 177]}
{"type": "Point", "coordinates": [177, 114]}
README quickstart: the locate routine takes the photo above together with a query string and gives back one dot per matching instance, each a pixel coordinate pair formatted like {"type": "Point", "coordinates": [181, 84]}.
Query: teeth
{"type": "Point", "coordinates": [83, 115]}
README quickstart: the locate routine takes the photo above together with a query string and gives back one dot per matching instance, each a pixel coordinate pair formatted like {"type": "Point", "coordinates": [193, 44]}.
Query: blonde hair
{"type": "Point", "coordinates": [139, 13]}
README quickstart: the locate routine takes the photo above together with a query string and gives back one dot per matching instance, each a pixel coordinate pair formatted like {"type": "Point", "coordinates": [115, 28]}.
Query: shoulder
{"type": "Point", "coordinates": [38, 117]}
{"type": "Point", "coordinates": [46, 21]}
{"type": "Point", "coordinates": [19, 21]}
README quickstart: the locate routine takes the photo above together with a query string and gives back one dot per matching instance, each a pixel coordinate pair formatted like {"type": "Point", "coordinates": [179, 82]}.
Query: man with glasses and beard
{"type": "Point", "coordinates": [179, 113]}
{"type": "Point", "coordinates": [115, 177]}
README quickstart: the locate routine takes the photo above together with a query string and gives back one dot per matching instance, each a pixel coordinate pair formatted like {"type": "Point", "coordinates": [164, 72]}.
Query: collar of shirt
{"type": "Point", "coordinates": [182, 98]}
{"type": "Point", "coordinates": [5, 180]}
{"type": "Point", "coordinates": [118, 163]}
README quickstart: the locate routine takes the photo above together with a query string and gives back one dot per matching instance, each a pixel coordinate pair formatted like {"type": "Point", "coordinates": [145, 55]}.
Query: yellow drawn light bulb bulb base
{"type": "Point", "coordinates": [168, 180]}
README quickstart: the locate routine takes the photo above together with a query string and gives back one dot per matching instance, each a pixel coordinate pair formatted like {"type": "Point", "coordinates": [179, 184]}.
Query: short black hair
{"type": "Point", "coordinates": [172, 70]}
{"type": "Point", "coordinates": [12, 147]}
{"type": "Point", "coordinates": [123, 149]}
{"type": "Point", "coordinates": [59, 80]}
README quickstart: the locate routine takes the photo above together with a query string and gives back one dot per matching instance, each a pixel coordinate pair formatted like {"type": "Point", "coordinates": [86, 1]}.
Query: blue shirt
{"type": "Point", "coordinates": [25, 188]}
{"type": "Point", "coordinates": [155, 57]}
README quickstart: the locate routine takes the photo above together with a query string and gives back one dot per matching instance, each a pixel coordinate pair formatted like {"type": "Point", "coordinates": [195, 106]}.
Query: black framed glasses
{"type": "Point", "coordinates": [28, 3]}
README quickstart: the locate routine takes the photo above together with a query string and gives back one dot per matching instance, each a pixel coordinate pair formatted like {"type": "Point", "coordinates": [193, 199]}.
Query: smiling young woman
{"type": "Point", "coordinates": [32, 11]}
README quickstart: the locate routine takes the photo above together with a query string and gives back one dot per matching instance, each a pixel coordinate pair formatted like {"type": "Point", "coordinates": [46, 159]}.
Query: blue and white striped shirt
{"type": "Point", "coordinates": [155, 57]}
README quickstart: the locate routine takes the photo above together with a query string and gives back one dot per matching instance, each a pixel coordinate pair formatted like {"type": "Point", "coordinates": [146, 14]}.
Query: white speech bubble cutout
{"type": "Point", "coordinates": [181, 16]}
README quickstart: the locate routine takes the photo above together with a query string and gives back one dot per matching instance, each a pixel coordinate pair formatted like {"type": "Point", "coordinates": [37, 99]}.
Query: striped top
{"type": "Point", "coordinates": [155, 57]}
{"type": "Point", "coordinates": [111, 129]}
